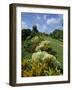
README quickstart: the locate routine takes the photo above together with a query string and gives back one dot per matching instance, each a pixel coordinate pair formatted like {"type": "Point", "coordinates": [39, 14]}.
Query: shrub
{"type": "Point", "coordinates": [42, 55]}
{"type": "Point", "coordinates": [57, 34]}
{"type": "Point", "coordinates": [26, 67]}
{"type": "Point", "coordinates": [25, 33]}
{"type": "Point", "coordinates": [34, 42]}
{"type": "Point", "coordinates": [41, 64]}
{"type": "Point", "coordinates": [43, 46]}
{"type": "Point", "coordinates": [49, 61]}
{"type": "Point", "coordinates": [36, 38]}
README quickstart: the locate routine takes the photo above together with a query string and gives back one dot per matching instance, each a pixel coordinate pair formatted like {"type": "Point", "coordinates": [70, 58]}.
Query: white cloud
{"type": "Point", "coordinates": [45, 29]}
{"type": "Point", "coordinates": [51, 21]}
{"type": "Point", "coordinates": [24, 25]}
{"type": "Point", "coordinates": [55, 20]}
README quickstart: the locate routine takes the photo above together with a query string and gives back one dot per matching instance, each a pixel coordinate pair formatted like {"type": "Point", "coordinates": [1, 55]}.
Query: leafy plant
{"type": "Point", "coordinates": [41, 64]}
{"type": "Point", "coordinates": [41, 54]}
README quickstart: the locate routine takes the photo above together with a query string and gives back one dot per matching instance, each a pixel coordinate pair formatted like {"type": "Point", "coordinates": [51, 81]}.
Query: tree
{"type": "Point", "coordinates": [57, 34]}
{"type": "Point", "coordinates": [25, 33]}
{"type": "Point", "coordinates": [34, 29]}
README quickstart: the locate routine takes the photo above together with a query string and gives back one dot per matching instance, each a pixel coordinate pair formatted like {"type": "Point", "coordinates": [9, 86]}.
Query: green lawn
{"type": "Point", "coordinates": [31, 67]}
{"type": "Point", "coordinates": [57, 46]}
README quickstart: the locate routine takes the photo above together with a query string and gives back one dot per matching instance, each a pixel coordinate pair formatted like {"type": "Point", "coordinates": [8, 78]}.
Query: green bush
{"type": "Point", "coordinates": [41, 64]}
{"type": "Point", "coordinates": [43, 46]}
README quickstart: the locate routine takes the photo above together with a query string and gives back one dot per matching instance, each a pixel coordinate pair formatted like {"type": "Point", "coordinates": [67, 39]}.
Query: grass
{"type": "Point", "coordinates": [28, 49]}
{"type": "Point", "coordinates": [57, 46]}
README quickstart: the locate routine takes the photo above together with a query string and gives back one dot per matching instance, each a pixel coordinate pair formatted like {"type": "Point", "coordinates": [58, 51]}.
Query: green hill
{"type": "Point", "coordinates": [42, 55]}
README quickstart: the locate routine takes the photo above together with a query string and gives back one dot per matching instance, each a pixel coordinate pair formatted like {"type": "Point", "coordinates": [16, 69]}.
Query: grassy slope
{"type": "Point", "coordinates": [57, 46]}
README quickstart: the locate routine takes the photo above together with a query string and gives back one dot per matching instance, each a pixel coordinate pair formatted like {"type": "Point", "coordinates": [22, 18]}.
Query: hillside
{"type": "Point", "coordinates": [42, 55]}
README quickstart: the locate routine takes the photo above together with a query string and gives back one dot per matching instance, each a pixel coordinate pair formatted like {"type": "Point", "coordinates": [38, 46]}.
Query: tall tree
{"type": "Point", "coordinates": [34, 29]}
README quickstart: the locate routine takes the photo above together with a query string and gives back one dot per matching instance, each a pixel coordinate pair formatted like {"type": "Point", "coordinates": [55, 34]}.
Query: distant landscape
{"type": "Point", "coordinates": [42, 53]}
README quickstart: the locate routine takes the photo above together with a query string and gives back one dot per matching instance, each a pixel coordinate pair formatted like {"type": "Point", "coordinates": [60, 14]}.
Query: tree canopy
{"type": "Point", "coordinates": [57, 34]}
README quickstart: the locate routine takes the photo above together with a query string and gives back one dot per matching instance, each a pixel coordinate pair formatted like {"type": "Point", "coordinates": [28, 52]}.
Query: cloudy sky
{"type": "Point", "coordinates": [45, 22]}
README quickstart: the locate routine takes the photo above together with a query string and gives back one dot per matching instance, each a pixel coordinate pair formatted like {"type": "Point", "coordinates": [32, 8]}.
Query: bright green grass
{"type": "Point", "coordinates": [56, 46]}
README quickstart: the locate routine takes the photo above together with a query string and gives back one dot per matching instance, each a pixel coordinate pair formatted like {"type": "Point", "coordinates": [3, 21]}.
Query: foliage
{"type": "Point", "coordinates": [57, 34]}
{"type": "Point", "coordinates": [25, 33]}
{"type": "Point", "coordinates": [44, 45]}
{"type": "Point", "coordinates": [42, 56]}
{"type": "Point", "coordinates": [42, 64]}
{"type": "Point", "coordinates": [41, 53]}
{"type": "Point", "coordinates": [34, 29]}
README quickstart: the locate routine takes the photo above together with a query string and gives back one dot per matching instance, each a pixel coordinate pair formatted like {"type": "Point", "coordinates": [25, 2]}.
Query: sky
{"type": "Point", "coordinates": [45, 22]}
